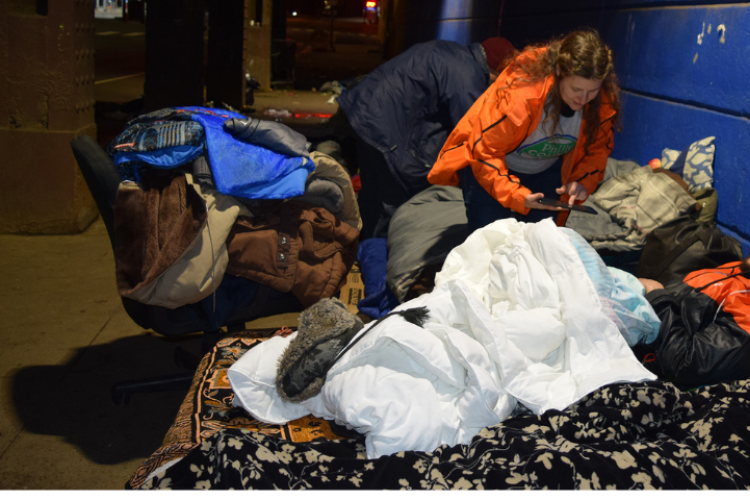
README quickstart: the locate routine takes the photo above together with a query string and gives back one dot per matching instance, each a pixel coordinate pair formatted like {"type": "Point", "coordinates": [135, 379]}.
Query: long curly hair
{"type": "Point", "coordinates": [579, 53]}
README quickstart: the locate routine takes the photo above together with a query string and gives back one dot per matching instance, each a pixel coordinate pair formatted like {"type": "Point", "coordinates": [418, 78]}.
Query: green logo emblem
{"type": "Point", "coordinates": [549, 147]}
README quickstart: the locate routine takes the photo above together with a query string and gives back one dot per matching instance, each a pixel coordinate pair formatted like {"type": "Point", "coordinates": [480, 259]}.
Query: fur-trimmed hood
{"type": "Point", "coordinates": [324, 331]}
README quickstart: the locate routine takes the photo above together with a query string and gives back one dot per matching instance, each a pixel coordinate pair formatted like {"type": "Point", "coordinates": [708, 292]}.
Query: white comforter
{"type": "Point", "coordinates": [514, 318]}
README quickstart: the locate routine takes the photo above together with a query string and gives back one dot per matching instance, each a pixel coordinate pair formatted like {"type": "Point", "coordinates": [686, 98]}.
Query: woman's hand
{"type": "Point", "coordinates": [575, 190]}
{"type": "Point", "coordinates": [650, 285]}
{"type": "Point", "coordinates": [532, 201]}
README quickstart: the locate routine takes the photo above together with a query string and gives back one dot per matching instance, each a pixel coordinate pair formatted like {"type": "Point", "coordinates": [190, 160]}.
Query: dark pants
{"type": "Point", "coordinates": [483, 209]}
{"type": "Point", "coordinates": [381, 193]}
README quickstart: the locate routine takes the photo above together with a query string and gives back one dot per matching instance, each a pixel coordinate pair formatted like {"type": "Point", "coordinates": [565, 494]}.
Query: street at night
{"type": "Point", "coordinates": [120, 54]}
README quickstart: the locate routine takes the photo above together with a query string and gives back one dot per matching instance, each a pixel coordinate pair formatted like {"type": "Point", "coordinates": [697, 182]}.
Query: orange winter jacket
{"type": "Point", "coordinates": [498, 122]}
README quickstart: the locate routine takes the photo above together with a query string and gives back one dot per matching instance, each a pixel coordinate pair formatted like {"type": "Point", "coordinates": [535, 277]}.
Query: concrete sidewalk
{"type": "Point", "coordinates": [66, 340]}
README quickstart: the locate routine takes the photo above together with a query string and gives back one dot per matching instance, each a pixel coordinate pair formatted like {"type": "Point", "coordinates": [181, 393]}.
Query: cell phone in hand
{"type": "Point", "coordinates": [564, 204]}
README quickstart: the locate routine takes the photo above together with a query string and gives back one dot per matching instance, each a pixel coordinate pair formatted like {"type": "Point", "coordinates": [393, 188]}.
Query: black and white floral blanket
{"type": "Point", "coordinates": [647, 435]}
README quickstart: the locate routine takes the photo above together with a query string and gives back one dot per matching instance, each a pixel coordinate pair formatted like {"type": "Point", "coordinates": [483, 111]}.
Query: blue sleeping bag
{"type": "Point", "coordinates": [173, 137]}
{"type": "Point", "coordinates": [372, 256]}
{"type": "Point", "coordinates": [249, 171]}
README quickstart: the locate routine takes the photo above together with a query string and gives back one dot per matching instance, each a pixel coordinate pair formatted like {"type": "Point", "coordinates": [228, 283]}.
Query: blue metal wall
{"type": "Point", "coordinates": [684, 68]}
{"type": "Point", "coordinates": [456, 20]}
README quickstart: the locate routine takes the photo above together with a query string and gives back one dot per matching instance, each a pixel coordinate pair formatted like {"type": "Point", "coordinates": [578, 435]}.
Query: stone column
{"type": "Point", "coordinates": [47, 99]}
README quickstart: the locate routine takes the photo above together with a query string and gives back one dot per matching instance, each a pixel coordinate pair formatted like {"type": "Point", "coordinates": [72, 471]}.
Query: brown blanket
{"type": "Point", "coordinates": [153, 226]}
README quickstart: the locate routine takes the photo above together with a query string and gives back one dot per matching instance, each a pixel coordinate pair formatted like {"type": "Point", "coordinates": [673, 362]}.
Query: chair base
{"type": "Point", "coordinates": [121, 391]}
{"type": "Point", "coordinates": [183, 358]}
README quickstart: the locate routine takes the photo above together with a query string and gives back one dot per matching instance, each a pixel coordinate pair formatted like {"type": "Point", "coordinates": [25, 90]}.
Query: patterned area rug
{"type": "Point", "coordinates": [207, 409]}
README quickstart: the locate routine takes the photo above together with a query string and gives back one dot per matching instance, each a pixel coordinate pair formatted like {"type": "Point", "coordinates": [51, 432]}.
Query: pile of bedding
{"type": "Point", "coordinates": [582, 416]}
{"type": "Point", "coordinates": [516, 324]}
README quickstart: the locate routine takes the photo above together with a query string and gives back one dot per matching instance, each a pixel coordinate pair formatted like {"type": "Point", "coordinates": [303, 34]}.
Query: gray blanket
{"type": "Point", "coordinates": [630, 202]}
{"type": "Point", "coordinates": [421, 233]}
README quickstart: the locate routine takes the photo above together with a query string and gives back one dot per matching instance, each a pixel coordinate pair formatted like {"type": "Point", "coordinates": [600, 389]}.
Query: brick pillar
{"type": "Point", "coordinates": [47, 99]}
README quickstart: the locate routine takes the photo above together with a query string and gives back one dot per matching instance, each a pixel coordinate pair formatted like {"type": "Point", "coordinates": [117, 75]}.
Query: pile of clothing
{"type": "Point", "coordinates": [207, 192]}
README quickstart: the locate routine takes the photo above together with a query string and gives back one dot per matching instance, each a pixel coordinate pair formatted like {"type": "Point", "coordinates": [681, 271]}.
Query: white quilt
{"type": "Point", "coordinates": [514, 318]}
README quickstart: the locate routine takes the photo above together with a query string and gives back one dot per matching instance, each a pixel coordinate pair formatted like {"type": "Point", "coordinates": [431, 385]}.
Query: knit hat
{"type": "Point", "coordinates": [496, 49]}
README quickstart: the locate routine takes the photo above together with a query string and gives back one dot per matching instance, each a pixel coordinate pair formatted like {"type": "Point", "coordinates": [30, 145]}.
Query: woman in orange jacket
{"type": "Point", "coordinates": [567, 86]}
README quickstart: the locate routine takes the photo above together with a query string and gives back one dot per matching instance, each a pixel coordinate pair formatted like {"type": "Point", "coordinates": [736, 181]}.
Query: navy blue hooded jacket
{"type": "Point", "coordinates": [407, 107]}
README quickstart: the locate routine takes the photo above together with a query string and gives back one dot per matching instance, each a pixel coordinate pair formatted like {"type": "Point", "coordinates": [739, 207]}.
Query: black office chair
{"type": "Point", "coordinates": [236, 301]}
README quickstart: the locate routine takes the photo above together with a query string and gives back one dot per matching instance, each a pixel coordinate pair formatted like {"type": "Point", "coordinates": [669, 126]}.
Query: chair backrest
{"type": "Point", "coordinates": [100, 175]}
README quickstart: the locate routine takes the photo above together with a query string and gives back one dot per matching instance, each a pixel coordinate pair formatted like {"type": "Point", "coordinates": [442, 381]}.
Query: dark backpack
{"type": "Point", "coordinates": [684, 245]}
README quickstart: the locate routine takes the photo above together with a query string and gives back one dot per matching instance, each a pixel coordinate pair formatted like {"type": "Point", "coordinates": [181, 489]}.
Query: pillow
{"type": "Point", "coordinates": [695, 163]}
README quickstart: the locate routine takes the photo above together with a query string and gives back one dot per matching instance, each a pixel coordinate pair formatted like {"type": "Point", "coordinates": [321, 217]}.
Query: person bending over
{"type": "Point", "coordinates": [402, 113]}
{"type": "Point", "coordinates": [544, 128]}
{"type": "Point", "coordinates": [705, 332]}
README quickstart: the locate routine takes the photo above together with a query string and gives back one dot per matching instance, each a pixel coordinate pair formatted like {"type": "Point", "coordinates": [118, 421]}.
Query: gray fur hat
{"type": "Point", "coordinates": [325, 328]}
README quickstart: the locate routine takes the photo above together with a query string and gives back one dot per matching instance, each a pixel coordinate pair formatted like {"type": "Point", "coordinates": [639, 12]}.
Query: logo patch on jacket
{"type": "Point", "coordinates": [548, 147]}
